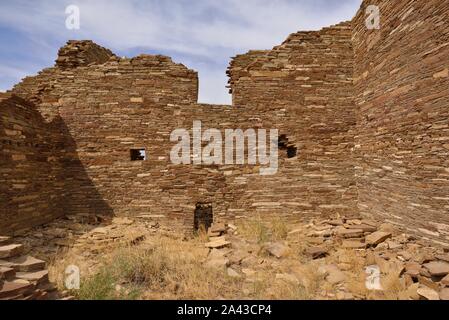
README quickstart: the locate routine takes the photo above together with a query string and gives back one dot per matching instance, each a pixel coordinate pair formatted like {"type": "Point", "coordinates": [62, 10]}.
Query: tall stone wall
{"type": "Point", "coordinates": [402, 99]}
{"type": "Point", "coordinates": [31, 173]}
{"type": "Point", "coordinates": [362, 116]}
{"type": "Point", "coordinates": [110, 108]}
{"type": "Point", "coordinates": [304, 88]}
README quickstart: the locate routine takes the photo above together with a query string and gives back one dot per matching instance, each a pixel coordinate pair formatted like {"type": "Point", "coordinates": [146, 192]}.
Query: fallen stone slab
{"type": "Point", "coordinates": [7, 273]}
{"type": "Point", "coordinates": [218, 228]}
{"type": "Point", "coordinates": [443, 257]}
{"type": "Point", "coordinates": [429, 283]}
{"type": "Point", "coordinates": [39, 277]}
{"type": "Point", "coordinates": [289, 278]}
{"type": "Point", "coordinates": [24, 264]}
{"type": "Point", "coordinates": [437, 268]}
{"type": "Point", "coordinates": [15, 288]}
{"type": "Point", "coordinates": [332, 273]}
{"type": "Point", "coordinates": [4, 241]}
{"type": "Point", "coordinates": [364, 227]}
{"type": "Point", "coordinates": [350, 233]}
{"type": "Point", "coordinates": [428, 294]}
{"type": "Point", "coordinates": [353, 244]}
{"type": "Point", "coordinates": [10, 251]}
{"type": "Point", "coordinates": [413, 269]}
{"type": "Point", "coordinates": [213, 234]}
{"type": "Point", "coordinates": [316, 252]}
{"type": "Point", "coordinates": [336, 223]}
{"type": "Point", "coordinates": [278, 250]}
{"type": "Point", "coordinates": [445, 281]}
{"type": "Point", "coordinates": [444, 294]}
{"type": "Point", "coordinates": [213, 239]}
{"type": "Point", "coordinates": [377, 238]}
{"type": "Point", "coordinates": [218, 244]}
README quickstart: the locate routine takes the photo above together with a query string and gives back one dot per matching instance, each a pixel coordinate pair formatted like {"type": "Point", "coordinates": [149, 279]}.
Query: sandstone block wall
{"type": "Point", "coordinates": [365, 110]}
{"type": "Point", "coordinates": [402, 98]}
{"type": "Point", "coordinates": [108, 109]}
{"type": "Point", "coordinates": [31, 175]}
{"type": "Point", "coordinates": [304, 88]}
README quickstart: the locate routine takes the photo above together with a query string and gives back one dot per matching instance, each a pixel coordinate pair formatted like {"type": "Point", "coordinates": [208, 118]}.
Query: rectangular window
{"type": "Point", "coordinates": [138, 155]}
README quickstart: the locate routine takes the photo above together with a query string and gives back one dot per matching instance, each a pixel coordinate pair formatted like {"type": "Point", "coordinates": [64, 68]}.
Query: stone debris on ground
{"type": "Point", "coordinates": [24, 277]}
{"type": "Point", "coordinates": [331, 247]}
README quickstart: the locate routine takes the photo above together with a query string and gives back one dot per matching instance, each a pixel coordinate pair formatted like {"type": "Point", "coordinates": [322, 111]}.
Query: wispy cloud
{"type": "Point", "coordinates": [203, 34]}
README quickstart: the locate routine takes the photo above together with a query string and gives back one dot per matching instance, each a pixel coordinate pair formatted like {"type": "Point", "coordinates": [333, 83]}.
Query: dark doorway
{"type": "Point", "coordinates": [204, 217]}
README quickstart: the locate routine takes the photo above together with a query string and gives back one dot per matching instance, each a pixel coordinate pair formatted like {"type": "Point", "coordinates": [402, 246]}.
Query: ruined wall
{"type": "Point", "coordinates": [365, 110]}
{"type": "Point", "coordinates": [31, 184]}
{"type": "Point", "coordinates": [108, 109]}
{"type": "Point", "coordinates": [304, 88]}
{"type": "Point", "coordinates": [402, 97]}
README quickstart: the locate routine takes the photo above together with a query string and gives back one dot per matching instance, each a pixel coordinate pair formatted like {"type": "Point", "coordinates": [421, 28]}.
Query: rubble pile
{"type": "Point", "coordinates": [23, 277]}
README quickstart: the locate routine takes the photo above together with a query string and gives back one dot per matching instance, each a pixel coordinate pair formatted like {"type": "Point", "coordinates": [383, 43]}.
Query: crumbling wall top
{"type": "Point", "coordinates": [78, 53]}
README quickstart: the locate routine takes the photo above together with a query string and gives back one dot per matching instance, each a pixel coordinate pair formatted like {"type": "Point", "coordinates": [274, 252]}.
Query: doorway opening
{"type": "Point", "coordinates": [203, 217]}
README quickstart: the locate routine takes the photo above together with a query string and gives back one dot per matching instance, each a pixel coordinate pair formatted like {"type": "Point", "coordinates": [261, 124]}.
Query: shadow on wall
{"type": "Point", "coordinates": [41, 176]}
{"type": "Point", "coordinates": [80, 193]}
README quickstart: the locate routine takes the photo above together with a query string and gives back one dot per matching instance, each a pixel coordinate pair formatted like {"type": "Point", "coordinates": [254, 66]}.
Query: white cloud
{"type": "Point", "coordinates": [212, 30]}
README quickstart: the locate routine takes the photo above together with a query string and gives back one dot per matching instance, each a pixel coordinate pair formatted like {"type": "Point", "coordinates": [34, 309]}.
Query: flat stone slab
{"type": "Point", "coordinates": [444, 294]}
{"type": "Point", "coordinates": [7, 273]}
{"type": "Point", "coordinates": [316, 252]}
{"type": "Point", "coordinates": [24, 264]}
{"type": "Point", "coordinates": [428, 294]}
{"type": "Point", "coordinates": [350, 233]}
{"type": "Point", "coordinates": [10, 251]}
{"type": "Point", "coordinates": [4, 241]}
{"type": "Point", "coordinates": [377, 238]}
{"type": "Point", "coordinates": [39, 276]}
{"type": "Point", "coordinates": [445, 281]}
{"type": "Point", "coordinates": [364, 227]}
{"type": "Point", "coordinates": [353, 244]}
{"type": "Point", "coordinates": [14, 288]}
{"type": "Point", "coordinates": [218, 244]}
{"type": "Point", "coordinates": [278, 250]}
{"type": "Point", "coordinates": [218, 228]}
{"type": "Point", "coordinates": [438, 268]}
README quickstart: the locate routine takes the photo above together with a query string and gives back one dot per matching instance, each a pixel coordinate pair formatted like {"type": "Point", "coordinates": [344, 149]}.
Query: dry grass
{"type": "Point", "coordinates": [263, 230]}
{"type": "Point", "coordinates": [164, 268]}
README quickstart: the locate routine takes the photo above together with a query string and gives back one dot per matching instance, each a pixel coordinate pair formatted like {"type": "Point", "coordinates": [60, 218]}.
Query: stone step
{"type": "Point", "coordinates": [14, 289]}
{"type": "Point", "coordinates": [7, 273]}
{"type": "Point", "coordinates": [39, 277]}
{"type": "Point", "coordinates": [24, 264]}
{"type": "Point", "coordinates": [4, 241]}
{"type": "Point", "coordinates": [11, 250]}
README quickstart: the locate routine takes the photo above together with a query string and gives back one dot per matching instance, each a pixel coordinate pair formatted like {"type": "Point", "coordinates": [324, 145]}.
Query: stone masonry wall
{"type": "Point", "coordinates": [31, 175]}
{"type": "Point", "coordinates": [365, 111]}
{"type": "Point", "coordinates": [402, 97]}
{"type": "Point", "coordinates": [304, 88]}
{"type": "Point", "coordinates": [111, 107]}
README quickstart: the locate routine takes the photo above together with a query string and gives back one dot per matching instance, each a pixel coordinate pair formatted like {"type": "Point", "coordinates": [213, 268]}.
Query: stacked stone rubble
{"type": "Point", "coordinates": [23, 277]}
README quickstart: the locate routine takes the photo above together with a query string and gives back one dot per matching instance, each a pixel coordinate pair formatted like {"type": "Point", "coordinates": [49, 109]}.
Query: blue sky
{"type": "Point", "coordinates": [202, 34]}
